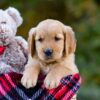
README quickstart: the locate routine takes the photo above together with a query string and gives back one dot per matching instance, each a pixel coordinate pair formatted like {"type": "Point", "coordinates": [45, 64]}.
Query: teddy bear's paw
{"type": "Point", "coordinates": [4, 68]}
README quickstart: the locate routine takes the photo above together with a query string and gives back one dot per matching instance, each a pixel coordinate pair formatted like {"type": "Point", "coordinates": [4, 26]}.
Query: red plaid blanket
{"type": "Point", "coordinates": [11, 88]}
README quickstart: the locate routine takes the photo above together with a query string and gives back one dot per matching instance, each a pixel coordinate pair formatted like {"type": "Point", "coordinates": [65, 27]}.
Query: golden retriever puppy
{"type": "Point", "coordinates": [51, 51]}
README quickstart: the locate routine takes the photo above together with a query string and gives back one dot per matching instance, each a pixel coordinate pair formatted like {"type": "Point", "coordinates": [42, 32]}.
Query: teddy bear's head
{"type": "Point", "coordinates": [10, 20]}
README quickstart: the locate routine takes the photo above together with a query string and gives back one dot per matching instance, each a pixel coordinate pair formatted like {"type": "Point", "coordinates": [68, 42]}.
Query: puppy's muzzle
{"type": "Point", "coordinates": [48, 53]}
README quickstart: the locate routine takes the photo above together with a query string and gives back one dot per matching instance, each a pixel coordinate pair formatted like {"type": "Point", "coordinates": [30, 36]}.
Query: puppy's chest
{"type": "Point", "coordinates": [45, 68]}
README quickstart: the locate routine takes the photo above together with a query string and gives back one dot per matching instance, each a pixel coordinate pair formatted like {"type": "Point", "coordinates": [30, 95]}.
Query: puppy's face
{"type": "Point", "coordinates": [51, 40]}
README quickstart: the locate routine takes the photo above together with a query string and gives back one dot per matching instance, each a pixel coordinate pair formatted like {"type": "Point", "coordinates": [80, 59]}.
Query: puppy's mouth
{"type": "Point", "coordinates": [49, 61]}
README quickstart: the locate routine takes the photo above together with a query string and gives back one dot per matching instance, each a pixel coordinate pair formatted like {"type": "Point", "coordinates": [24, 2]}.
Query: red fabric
{"type": "Point", "coordinates": [11, 88]}
{"type": "Point", "coordinates": [2, 49]}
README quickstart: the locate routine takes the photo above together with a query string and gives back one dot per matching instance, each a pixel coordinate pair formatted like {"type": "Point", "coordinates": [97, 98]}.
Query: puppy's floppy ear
{"type": "Point", "coordinates": [31, 42]}
{"type": "Point", "coordinates": [14, 13]}
{"type": "Point", "coordinates": [70, 41]}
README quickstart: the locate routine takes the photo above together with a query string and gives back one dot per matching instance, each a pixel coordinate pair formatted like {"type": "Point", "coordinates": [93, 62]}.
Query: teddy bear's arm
{"type": "Point", "coordinates": [23, 44]}
{"type": "Point", "coordinates": [4, 68]}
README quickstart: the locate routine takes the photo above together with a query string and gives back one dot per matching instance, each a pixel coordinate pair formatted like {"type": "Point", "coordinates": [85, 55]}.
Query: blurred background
{"type": "Point", "coordinates": [84, 17]}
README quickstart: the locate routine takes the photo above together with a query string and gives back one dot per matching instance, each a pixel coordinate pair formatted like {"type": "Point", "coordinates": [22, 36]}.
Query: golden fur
{"type": "Point", "coordinates": [58, 37]}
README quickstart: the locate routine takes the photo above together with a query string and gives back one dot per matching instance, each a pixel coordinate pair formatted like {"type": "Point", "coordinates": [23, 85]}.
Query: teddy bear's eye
{"type": "Point", "coordinates": [3, 22]}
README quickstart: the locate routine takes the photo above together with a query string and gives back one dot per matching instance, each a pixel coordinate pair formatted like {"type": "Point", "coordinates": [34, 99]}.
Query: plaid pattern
{"type": "Point", "coordinates": [11, 88]}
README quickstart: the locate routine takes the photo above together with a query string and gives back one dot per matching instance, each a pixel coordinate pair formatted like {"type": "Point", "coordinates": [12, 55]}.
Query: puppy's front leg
{"type": "Point", "coordinates": [53, 78]}
{"type": "Point", "coordinates": [30, 74]}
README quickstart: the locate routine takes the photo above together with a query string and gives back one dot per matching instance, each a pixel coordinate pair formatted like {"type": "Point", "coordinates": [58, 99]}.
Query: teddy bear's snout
{"type": "Point", "coordinates": [2, 31]}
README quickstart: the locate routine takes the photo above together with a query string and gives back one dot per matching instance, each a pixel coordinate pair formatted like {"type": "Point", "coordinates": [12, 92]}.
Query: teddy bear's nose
{"type": "Point", "coordinates": [1, 31]}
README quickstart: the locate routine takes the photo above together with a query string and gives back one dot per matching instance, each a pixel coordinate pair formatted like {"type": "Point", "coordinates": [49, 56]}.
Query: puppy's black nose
{"type": "Point", "coordinates": [48, 52]}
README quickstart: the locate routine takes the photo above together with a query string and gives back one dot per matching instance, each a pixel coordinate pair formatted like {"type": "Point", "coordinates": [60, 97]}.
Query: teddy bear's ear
{"type": "Point", "coordinates": [14, 13]}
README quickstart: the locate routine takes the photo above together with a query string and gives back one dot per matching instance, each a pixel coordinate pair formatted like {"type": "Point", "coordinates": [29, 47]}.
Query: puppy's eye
{"type": "Point", "coordinates": [3, 22]}
{"type": "Point", "coordinates": [40, 40]}
{"type": "Point", "coordinates": [57, 39]}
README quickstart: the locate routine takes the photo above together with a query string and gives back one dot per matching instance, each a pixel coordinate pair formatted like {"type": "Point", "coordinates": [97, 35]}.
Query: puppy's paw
{"type": "Point", "coordinates": [29, 78]}
{"type": "Point", "coordinates": [28, 81]}
{"type": "Point", "coordinates": [51, 81]}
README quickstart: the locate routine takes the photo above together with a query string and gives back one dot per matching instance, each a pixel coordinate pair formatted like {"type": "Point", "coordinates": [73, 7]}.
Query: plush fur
{"type": "Point", "coordinates": [60, 39]}
{"type": "Point", "coordinates": [14, 56]}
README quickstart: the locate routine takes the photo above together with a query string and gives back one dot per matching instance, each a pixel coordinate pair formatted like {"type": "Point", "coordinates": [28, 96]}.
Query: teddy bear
{"type": "Point", "coordinates": [13, 49]}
